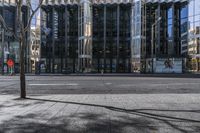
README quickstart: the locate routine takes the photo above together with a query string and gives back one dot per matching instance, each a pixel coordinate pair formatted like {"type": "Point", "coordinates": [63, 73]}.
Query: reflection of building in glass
{"type": "Point", "coordinates": [119, 35]}
{"type": "Point", "coordinates": [34, 48]}
{"type": "Point", "coordinates": [9, 47]}
{"type": "Point", "coordinates": [193, 61]}
{"type": "Point", "coordinates": [84, 36]}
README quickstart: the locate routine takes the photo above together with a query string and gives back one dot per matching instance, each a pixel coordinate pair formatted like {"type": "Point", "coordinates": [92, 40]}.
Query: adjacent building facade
{"type": "Point", "coordinates": [193, 60]}
{"type": "Point", "coordinates": [118, 36]}
{"type": "Point", "coordinates": [159, 36]}
{"type": "Point", "coordinates": [9, 46]}
{"type": "Point", "coordinates": [34, 46]}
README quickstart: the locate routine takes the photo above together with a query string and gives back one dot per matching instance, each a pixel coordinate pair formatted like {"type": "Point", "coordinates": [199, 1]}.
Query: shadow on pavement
{"type": "Point", "coordinates": [96, 123]}
{"type": "Point", "coordinates": [135, 111]}
{"type": "Point", "coordinates": [136, 120]}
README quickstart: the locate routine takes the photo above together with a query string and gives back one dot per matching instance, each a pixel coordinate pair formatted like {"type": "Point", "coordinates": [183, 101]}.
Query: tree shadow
{"type": "Point", "coordinates": [136, 120]}
{"type": "Point", "coordinates": [18, 104]}
{"type": "Point", "coordinates": [84, 123]}
{"type": "Point", "coordinates": [140, 111]}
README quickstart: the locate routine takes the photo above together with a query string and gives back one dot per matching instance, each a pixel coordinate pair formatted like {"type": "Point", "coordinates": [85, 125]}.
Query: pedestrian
{"type": "Point", "coordinates": [102, 71]}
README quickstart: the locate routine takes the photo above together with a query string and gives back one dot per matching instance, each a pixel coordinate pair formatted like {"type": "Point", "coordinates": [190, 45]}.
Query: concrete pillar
{"type": "Point", "coordinates": [66, 36]}
{"type": "Point", "coordinates": [53, 40]}
{"type": "Point", "coordinates": [118, 26]}
{"type": "Point", "coordinates": [104, 40]}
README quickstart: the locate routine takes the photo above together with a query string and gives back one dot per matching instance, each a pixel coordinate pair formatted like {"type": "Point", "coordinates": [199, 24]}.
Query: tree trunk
{"type": "Point", "coordinates": [22, 69]}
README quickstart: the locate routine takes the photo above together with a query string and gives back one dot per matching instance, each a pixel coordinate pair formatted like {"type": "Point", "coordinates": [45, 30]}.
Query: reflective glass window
{"type": "Point", "coordinates": [169, 22]}
{"type": "Point", "coordinates": [169, 31]}
{"type": "Point", "coordinates": [184, 12]}
{"type": "Point", "coordinates": [169, 13]}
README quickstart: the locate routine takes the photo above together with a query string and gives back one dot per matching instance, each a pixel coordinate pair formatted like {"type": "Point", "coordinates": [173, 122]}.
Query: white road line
{"type": "Point", "coordinates": [72, 84]}
{"type": "Point", "coordinates": [164, 84]}
{"type": "Point", "coordinates": [108, 83]}
{"type": "Point", "coordinates": [9, 79]}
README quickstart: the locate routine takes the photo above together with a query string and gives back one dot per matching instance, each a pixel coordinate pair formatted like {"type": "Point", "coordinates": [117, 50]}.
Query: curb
{"type": "Point", "coordinates": [121, 75]}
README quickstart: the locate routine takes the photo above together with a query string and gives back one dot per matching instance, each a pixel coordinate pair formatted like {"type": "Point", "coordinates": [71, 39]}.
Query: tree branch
{"type": "Point", "coordinates": [17, 2]}
{"type": "Point", "coordinates": [31, 16]}
{"type": "Point", "coordinates": [30, 5]}
{"type": "Point", "coordinates": [3, 23]}
{"type": "Point", "coordinates": [5, 26]}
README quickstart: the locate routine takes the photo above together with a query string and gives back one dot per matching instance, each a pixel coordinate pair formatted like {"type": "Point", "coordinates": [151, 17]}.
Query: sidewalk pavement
{"type": "Point", "coordinates": [95, 113]}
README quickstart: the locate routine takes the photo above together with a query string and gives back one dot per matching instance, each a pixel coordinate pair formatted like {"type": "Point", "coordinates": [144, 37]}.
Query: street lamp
{"type": "Point", "coordinates": [152, 40]}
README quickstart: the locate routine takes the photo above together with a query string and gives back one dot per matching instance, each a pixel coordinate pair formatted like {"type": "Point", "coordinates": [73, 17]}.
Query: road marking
{"type": "Point", "coordinates": [108, 83]}
{"type": "Point", "coordinates": [72, 84]}
{"type": "Point", "coordinates": [9, 79]}
{"type": "Point", "coordinates": [164, 84]}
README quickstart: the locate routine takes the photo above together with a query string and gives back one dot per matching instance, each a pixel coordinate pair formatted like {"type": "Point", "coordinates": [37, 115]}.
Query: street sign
{"type": "Point", "coordinates": [10, 63]}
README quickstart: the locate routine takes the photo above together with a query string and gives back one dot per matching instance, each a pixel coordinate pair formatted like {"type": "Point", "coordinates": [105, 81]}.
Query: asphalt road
{"type": "Point", "coordinates": [100, 85]}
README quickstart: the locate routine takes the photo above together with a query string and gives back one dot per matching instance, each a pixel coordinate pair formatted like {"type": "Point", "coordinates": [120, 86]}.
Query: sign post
{"type": "Point", "coordinates": [10, 64]}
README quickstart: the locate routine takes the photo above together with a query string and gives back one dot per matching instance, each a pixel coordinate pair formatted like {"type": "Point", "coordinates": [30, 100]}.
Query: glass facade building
{"type": "Point", "coordinates": [120, 36]}
{"type": "Point", "coordinates": [9, 47]}
{"type": "Point", "coordinates": [193, 61]}
{"type": "Point", "coordinates": [34, 46]}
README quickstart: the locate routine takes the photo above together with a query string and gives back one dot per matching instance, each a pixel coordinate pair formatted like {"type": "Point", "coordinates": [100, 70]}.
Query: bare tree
{"type": "Point", "coordinates": [20, 35]}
